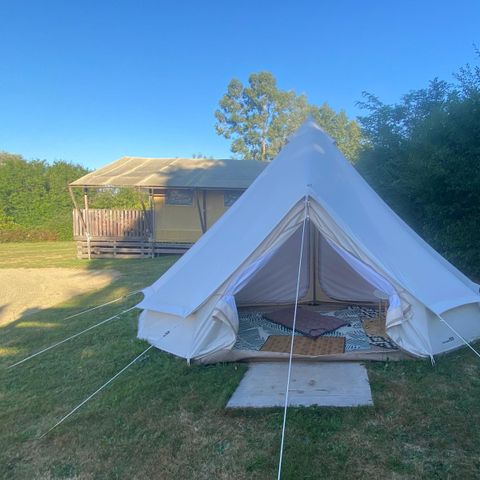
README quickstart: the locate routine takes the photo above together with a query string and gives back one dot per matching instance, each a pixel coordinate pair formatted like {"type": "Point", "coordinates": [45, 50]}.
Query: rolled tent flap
{"type": "Point", "coordinates": [217, 328]}
{"type": "Point", "coordinates": [394, 312]}
{"type": "Point", "coordinates": [338, 279]}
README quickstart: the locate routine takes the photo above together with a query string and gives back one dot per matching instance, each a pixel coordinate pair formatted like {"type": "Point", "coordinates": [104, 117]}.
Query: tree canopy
{"type": "Point", "coordinates": [259, 117]}
{"type": "Point", "coordinates": [35, 203]}
{"type": "Point", "coordinates": [34, 199]}
{"type": "Point", "coordinates": [423, 157]}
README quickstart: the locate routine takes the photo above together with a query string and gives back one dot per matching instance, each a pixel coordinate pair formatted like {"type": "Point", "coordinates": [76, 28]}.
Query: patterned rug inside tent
{"type": "Point", "coordinates": [254, 329]}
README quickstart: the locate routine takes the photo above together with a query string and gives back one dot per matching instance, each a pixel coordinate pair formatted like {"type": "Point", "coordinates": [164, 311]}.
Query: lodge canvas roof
{"type": "Point", "coordinates": [174, 173]}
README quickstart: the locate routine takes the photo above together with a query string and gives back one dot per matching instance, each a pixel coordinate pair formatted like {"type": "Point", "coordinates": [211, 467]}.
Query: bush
{"type": "Point", "coordinates": [34, 199]}
{"type": "Point", "coordinates": [35, 203]}
{"type": "Point", "coordinates": [423, 158]}
{"type": "Point", "coordinates": [22, 234]}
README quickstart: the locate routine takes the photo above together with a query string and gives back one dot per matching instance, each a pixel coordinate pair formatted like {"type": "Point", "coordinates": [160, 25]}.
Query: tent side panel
{"type": "Point", "coordinates": [276, 282]}
{"type": "Point", "coordinates": [464, 319]}
{"type": "Point", "coordinates": [339, 280]}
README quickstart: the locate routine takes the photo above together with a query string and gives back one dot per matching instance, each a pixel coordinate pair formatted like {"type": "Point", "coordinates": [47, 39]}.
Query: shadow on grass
{"type": "Point", "coordinates": [133, 275]}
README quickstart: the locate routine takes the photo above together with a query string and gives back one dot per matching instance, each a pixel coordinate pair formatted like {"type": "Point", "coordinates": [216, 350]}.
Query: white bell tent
{"type": "Point", "coordinates": [355, 249]}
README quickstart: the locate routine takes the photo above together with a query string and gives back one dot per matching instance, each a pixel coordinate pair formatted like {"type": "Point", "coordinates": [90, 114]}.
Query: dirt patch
{"type": "Point", "coordinates": [24, 291]}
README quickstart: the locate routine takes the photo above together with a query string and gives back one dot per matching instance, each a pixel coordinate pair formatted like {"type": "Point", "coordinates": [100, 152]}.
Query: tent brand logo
{"type": "Point", "coordinates": [450, 339]}
{"type": "Point", "coordinates": [166, 333]}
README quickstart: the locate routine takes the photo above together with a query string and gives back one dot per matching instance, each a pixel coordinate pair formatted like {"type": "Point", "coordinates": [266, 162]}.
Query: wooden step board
{"type": "Point", "coordinates": [330, 384]}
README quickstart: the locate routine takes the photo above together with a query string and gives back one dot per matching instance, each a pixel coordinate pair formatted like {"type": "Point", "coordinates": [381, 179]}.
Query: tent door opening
{"type": "Point", "coordinates": [331, 290]}
{"type": "Point", "coordinates": [326, 275]}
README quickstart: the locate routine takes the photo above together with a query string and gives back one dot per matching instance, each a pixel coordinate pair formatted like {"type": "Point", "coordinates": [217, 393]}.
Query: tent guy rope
{"type": "Point", "coordinates": [460, 336]}
{"type": "Point", "coordinates": [71, 337]}
{"type": "Point", "coordinates": [280, 460]}
{"type": "Point", "coordinates": [96, 391]}
{"type": "Point", "coordinates": [102, 305]}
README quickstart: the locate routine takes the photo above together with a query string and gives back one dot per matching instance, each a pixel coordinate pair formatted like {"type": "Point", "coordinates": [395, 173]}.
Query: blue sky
{"type": "Point", "coordinates": [91, 81]}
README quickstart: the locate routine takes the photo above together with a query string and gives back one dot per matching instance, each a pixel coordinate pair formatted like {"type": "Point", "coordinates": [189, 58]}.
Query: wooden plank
{"type": "Point", "coordinates": [95, 220]}
{"type": "Point", "coordinates": [138, 242]}
{"type": "Point", "coordinates": [342, 384]}
{"type": "Point", "coordinates": [100, 221]}
{"type": "Point", "coordinates": [111, 239]}
{"type": "Point", "coordinates": [124, 248]}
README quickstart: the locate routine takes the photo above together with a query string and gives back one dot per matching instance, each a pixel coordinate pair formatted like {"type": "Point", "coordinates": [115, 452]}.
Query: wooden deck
{"type": "Point", "coordinates": [112, 224]}
{"type": "Point", "coordinates": [119, 234]}
{"type": "Point", "coordinates": [113, 248]}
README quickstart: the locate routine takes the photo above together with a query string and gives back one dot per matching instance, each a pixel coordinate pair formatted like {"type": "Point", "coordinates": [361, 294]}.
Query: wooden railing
{"type": "Point", "coordinates": [112, 224]}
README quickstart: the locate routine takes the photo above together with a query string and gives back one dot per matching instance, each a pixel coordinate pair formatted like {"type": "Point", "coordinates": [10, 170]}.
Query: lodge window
{"type": "Point", "coordinates": [230, 197]}
{"type": "Point", "coordinates": [179, 197]}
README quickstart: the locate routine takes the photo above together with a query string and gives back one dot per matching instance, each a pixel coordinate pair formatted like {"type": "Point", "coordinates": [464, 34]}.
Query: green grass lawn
{"type": "Point", "coordinates": [164, 419]}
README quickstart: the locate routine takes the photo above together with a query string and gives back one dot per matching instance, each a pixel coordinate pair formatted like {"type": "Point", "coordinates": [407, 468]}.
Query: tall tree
{"type": "Point", "coordinates": [423, 158]}
{"type": "Point", "coordinates": [259, 117]}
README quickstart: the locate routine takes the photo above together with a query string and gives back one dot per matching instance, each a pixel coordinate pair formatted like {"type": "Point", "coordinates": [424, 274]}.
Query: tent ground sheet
{"type": "Point", "coordinates": [332, 384]}
{"type": "Point", "coordinates": [254, 328]}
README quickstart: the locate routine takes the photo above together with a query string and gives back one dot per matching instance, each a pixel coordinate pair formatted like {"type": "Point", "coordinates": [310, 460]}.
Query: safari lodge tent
{"type": "Point", "coordinates": [185, 198]}
{"type": "Point", "coordinates": [310, 229]}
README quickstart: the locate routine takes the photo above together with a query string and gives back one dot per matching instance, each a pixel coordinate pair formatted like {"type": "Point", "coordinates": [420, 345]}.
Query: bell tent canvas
{"type": "Point", "coordinates": [309, 203]}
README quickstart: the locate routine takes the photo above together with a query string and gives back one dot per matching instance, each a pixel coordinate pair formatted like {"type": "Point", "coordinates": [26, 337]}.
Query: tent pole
{"type": "Point", "coordinates": [87, 223]}
{"type": "Point", "coordinates": [79, 212]}
{"type": "Point", "coordinates": [204, 207]}
{"type": "Point", "coordinates": [292, 341]}
{"type": "Point", "coordinates": [313, 257]}
{"type": "Point", "coordinates": [151, 206]}
{"type": "Point", "coordinates": [147, 219]}
{"type": "Point", "coordinates": [203, 223]}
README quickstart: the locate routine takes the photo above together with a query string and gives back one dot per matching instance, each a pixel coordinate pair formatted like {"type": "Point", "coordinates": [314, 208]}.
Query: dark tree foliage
{"type": "Point", "coordinates": [35, 203]}
{"type": "Point", "coordinates": [121, 198]}
{"type": "Point", "coordinates": [34, 200]}
{"type": "Point", "coordinates": [423, 157]}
